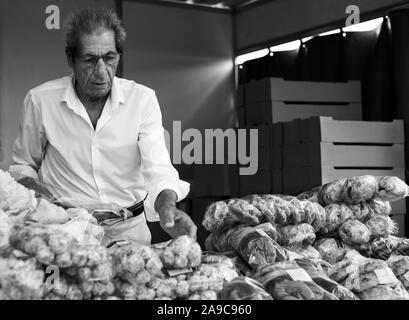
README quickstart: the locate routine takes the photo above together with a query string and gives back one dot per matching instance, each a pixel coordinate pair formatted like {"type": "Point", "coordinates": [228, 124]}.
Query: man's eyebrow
{"type": "Point", "coordinates": [111, 52]}
{"type": "Point", "coordinates": [91, 55]}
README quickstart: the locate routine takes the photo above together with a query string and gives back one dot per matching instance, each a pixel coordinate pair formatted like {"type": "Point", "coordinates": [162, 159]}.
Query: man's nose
{"type": "Point", "coordinates": [100, 68]}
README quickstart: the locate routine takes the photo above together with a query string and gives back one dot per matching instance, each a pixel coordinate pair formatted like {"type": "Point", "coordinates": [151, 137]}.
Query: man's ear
{"type": "Point", "coordinates": [70, 58]}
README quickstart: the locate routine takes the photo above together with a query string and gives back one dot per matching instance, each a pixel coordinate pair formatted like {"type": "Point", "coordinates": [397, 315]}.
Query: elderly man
{"type": "Point", "coordinates": [96, 138]}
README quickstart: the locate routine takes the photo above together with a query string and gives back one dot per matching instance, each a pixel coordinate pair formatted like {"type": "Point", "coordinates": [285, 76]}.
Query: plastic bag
{"type": "Point", "coordinates": [140, 275]}
{"type": "Point", "coordinates": [310, 195]}
{"type": "Point", "coordinates": [319, 276]}
{"type": "Point", "coordinates": [15, 199]}
{"type": "Point", "coordinates": [21, 279]}
{"type": "Point", "coordinates": [354, 232]}
{"type": "Point", "coordinates": [296, 236]}
{"type": "Point", "coordinates": [332, 192]}
{"type": "Point", "coordinates": [241, 266]}
{"type": "Point", "coordinates": [5, 228]}
{"type": "Point", "coordinates": [310, 252]}
{"type": "Point", "coordinates": [183, 252]}
{"type": "Point", "coordinates": [394, 291]}
{"type": "Point", "coordinates": [366, 277]}
{"type": "Point", "coordinates": [336, 215]}
{"type": "Point", "coordinates": [267, 210]}
{"type": "Point", "coordinates": [82, 231]}
{"type": "Point", "coordinates": [48, 213]}
{"type": "Point", "coordinates": [226, 265]}
{"type": "Point", "coordinates": [400, 267]}
{"type": "Point", "coordinates": [391, 188]}
{"type": "Point", "coordinates": [383, 248]}
{"type": "Point", "coordinates": [244, 288]}
{"type": "Point", "coordinates": [225, 214]}
{"type": "Point", "coordinates": [288, 281]}
{"type": "Point", "coordinates": [359, 189]}
{"type": "Point", "coordinates": [252, 244]}
{"type": "Point", "coordinates": [331, 249]}
{"type": "Point", "coordinates": [55, 247]}
{"type": "Point", "coordinates": [381, 226]}
{"type": "Point", "coordinates": [290, 210]}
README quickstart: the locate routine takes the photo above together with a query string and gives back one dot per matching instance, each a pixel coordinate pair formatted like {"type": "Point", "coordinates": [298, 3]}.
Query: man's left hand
{"type": "Point", "coordinates": [177, 223]}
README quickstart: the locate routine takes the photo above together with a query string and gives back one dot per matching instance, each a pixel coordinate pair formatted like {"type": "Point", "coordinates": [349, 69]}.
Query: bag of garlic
{"type": "Point", "coordinates": [5, 228]}
{"type": "Point", "coordinates": [369, 279]}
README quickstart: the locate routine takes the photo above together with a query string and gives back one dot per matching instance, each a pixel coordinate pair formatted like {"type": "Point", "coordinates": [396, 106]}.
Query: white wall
{"type": "Point", "coordinates": [282, 18]}
{"type": "Point", "coordinates": [186, 56]}
{"type": "Point", "coordinates": [29, 55]}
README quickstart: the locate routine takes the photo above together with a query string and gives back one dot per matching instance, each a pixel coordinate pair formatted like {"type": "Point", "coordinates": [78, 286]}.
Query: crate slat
{"type": "Point", "coordinates": [278, 111]}
{"type": "Point", "coordinates": [329, 154]}
{"type": "Point", "coordinates": [278, 89]}
{"type": "Point", "coordinates": [326, 129]}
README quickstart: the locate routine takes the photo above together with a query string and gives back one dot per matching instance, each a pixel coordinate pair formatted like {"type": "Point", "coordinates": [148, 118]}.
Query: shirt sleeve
{"type": "Point", "coordinates": [30, 144]}
{"type": "Point", "coordinates": [158, 171]}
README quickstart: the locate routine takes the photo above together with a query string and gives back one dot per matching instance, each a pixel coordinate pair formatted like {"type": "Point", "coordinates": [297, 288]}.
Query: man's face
{"type": "Point", "coordinates": [94, 79]}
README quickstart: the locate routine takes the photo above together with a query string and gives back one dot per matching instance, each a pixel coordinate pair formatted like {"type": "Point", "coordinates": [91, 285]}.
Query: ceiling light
{"type": "Point", "coordinates": [364, 26]}
{"type": "Point", "coordinates": [293, 45]}
{"type": "Point", "coordinates": [251, 56]}
{"type": "Point", "coordinates": [329, 33]}
{"type": "Point", "coordinates": [304, 40]}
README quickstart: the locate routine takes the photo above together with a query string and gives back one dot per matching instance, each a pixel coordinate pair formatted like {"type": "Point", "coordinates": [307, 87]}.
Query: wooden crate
{"type": "Point", "coordinates": [277, 181]}
{"type": "Point", "coordinates": [279, 111]}
{"type": "Point", "coordinates": [278, 89]}
{"type": "Point", "coordinates": [264, 135]}
{"type": "Point", "coordinates": [316, 154]}
{"type": "Point", "coordinates": [234, 180]}
{"type": "Point", "coordinates": [260, 183]}
{"type": "Point", "coordinates": [295, 181]}
{"type": "Point", "coordinates": [326, 129]}
{"type": "Point", "coordinates": [278, 134]}
{"type": "Point", "coordinates": [273, 100]}
{"type": "Point", "coordinates": [211, 180]}
{"type": "Point", "coordinates": [276, 157]}
{"type": "Point", "coordinates": [291, 132]}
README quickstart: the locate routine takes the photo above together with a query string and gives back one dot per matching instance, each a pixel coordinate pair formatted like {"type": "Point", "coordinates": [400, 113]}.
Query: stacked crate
{"type": "Point", "coordinates": [328, 149]}
{"type": "Point", "coordinates": [322, 137]}
{"type": "Point", "coordinates": [274, 103]}
{"type": "Point", "coordinates": [272, 100]}
{"type": "Point", "coordinates": [268, 150]}
{"type": "Point", "coordinates": [211, 183]}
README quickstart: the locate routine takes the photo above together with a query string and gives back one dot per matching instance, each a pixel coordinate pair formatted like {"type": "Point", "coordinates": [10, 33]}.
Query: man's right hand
{"type": "Point", "coordinates": [40, 190]}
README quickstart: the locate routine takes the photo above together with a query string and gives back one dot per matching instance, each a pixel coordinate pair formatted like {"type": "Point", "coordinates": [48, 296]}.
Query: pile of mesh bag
{"type": "Point", "coordinates": [314, 234]}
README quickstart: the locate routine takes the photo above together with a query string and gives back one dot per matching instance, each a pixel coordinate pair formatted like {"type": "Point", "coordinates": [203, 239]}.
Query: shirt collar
{"type": "Point", "coordinates": [70, 96]}
{"type": "Point", "coordinates": [116, 95]}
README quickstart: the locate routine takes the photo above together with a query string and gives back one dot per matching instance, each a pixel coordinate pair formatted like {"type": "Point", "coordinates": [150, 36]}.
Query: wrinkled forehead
{"type": "Point", "coordinates": [99, 42]}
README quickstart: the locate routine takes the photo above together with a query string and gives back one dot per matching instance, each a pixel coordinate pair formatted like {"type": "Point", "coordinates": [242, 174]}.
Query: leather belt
{"type": "Point", "coordinates": [137, 208]}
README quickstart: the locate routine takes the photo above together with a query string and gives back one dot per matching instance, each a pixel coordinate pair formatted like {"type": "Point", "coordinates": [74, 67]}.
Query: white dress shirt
{"type": "Point", "coordinates": [120, 161]}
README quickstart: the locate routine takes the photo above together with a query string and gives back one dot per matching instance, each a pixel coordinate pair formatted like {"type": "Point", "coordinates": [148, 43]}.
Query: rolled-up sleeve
{"type": "Point", "coordinates": [158, 171]}
{"type": "Point", "coordinates": [30, 144]}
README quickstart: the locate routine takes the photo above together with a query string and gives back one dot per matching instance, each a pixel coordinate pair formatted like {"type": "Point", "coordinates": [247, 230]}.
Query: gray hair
{"type": "Point", "coordinates": [86, 22]}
